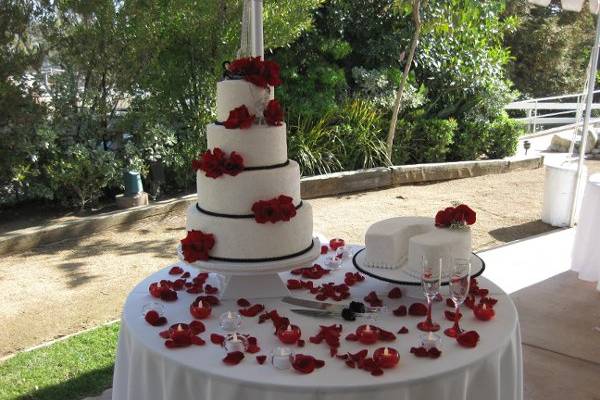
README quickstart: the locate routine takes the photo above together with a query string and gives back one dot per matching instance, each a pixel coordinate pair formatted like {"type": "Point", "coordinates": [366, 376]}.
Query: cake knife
{"type": "Point", "coordinates": [319, 305]}
{"type": "Point", "coordinates": [329, 313]}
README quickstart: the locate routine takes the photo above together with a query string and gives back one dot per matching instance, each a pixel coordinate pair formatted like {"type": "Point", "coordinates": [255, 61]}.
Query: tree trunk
{"type": "Point", "coordinates": [416, 16]}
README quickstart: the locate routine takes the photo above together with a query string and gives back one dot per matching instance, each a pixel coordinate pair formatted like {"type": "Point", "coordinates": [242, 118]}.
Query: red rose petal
{"type": "Point", "coordinates": [261, 359]}
{"type": "Point", "coordinates": [395, 293]}
{"type": "Point", "coordinates": [450, 315]}
{"type": "Point", "coordinates": [373, 300]}
{"type": "Point", "coordinates": [176, 271]}
{"type": "Point", "coordinates": [300, 343]}
{"type": "Point", "coordinates": [233, 358]}
{"type": "Point", "coordinates": [334, 244]}
{"type": "Point", "coordinates": [351, 363]}
{"type": "Point", "coordinates": [306, 364]}
{"type": "Point", "coordinates": [185, 275]}
{"type": "Point", "coordinates": [151, 317]}
{"type": "Point", "coordinates": [243, 302]}
{"type": "Point", "coordinates": [210, 299]}
{"type": "Point", "coordinates": [217, 339]}
{"type": "Point", "coordinates": [385, 336]}
{"type": "Point", "coordinates": [434, 353]}
{"type": "Point", "coordinates": [198, 341]}
{"type": "Point", "coordinates": [195, 290]}
{"type": "Point", "coordinates": [419, 351]}
{"type": "Point", "coordinates": [168, 295]}
{"type": "Point", "coordinates": [252, 311]}
{"type": "Point", "coordinates": [468, 339]}
{"type": "Point", "coordinates": [197, 327]}
{"type": "Point", "coordinates": [377, 372]}
{"type": "Point", "coordinates": [417, 310]}
{"type": "Point", "coordinates": [403, 330]}
{"type": "Point", "coordinates": [165, 334]}
{"type": "Point", "coordinates": [210, 289]}
{"type": "Point", "coordinates": [252, 348]}
{"type": "Point", "coordinates": [401, 311]}
{"type": "Point", "coordinates": [352, 337]}
{"type": "Point", "coordinates": [324, 249]}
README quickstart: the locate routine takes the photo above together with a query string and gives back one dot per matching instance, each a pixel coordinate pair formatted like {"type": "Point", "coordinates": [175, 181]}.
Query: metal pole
{"type": "Point", "coordinates": [257, 32]}
{"type": "Point", "coordinates": [586, 119]}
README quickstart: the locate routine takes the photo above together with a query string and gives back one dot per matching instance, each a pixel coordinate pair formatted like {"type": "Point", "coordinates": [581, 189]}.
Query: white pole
{"type": "Point", "coordinates": [257, 31]}
{"type": "Point", "coordinates": [586, 119]}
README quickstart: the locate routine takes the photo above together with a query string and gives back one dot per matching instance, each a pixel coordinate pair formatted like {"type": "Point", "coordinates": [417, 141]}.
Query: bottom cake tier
{"type": "Point", "coordinates": [243, 239]}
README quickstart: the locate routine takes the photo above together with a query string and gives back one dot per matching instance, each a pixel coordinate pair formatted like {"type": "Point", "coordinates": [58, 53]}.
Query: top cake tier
{"type": "Point", "coordinates": [233, 93]}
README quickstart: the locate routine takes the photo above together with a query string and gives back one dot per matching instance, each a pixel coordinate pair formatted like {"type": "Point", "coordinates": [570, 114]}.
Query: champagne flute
{"type": "Point", "coordinates": [430, 280]}
{"type": "Point", "coordinates": [459, 290]}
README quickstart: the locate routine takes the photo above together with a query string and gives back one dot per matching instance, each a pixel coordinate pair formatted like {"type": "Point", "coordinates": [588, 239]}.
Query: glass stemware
{"type": "Point", "coordinates": [431, 275]}
{"type": "Point", "coordinates": [459, 289]}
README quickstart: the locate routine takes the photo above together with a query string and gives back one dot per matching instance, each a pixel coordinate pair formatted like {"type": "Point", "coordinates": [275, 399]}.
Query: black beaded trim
{"type": "Point", "coordinates": [257, 260]}
{"type": "Point", "coordinates": [214, 214]}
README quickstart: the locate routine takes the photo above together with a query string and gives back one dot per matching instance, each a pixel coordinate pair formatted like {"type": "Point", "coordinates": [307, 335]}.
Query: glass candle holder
{"type": "Point", "coordinates": [159, 308]}
{"type": "Point", "coordinates": [235, 342]}
{"type": "Point", "coordinates": [282, 357]}
{"type": "Point", "coordinates": [333, 262]}
{"type": "Point", "coordinates": [386, 357]}
{"type": "Point", "coordinates": [430, 340]}
{"type": "Point", "coordinates": [230, 321]}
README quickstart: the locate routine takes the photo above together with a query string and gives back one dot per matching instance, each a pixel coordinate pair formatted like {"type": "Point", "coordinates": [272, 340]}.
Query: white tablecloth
{"type": "Point", "coordinates": [146, 370]}
{"type": "Point", "coordinates": [586, 250]}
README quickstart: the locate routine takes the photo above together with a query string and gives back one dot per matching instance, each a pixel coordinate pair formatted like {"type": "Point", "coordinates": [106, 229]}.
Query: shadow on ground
{"type": "Point", "coordinates": [521, 231]}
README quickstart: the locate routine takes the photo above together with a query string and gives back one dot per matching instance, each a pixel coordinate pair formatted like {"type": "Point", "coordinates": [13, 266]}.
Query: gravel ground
{"type": "Point", "coordinates": [65, 287]}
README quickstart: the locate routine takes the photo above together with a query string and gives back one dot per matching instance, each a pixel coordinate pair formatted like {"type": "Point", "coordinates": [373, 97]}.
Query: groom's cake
{"type": "Point", "coordinates": [404, 242]}
{"type": "Point", "coordinates": [249, 206]}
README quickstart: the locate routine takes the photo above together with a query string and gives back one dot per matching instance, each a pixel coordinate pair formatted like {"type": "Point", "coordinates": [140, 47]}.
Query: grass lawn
{"type": "Point", "coordinates": [71, 369]}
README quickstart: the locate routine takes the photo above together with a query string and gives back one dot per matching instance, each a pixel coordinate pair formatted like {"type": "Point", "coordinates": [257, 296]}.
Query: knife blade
{"type": "Point", "coordinates": [316, 305]}
{"type": "Point", "coordinates": [317, 313]}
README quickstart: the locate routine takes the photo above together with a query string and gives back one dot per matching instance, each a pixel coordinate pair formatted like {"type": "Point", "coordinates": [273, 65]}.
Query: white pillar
{"type": "Point", "coordinates": [257, 29]}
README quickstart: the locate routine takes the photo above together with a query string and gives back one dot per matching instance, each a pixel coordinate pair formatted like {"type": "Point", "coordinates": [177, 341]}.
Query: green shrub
{"type": "Point", "coordinates": [470, 141]}
{"type": "Point", "coordinates": [504, 137]}
{"type": "Point", "coordinates": [425, 140]}
{"type": "Point", "coordinates": [80, 175]}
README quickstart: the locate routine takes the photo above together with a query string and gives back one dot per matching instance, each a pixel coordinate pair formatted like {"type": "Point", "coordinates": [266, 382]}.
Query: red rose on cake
{"type": "Point", "coordinates": [239, 117]}
{"type": "Point", "coordinates": [196, 245]}
{"type": "Point", "coordinates": [461, 215]}
{"type": "Point", "coordinates": [254, 70]}
{"type": "Point", "coordinates": [278, 209]}
{"type": "Point", "coordinates": [273, 113]}
{"type": "Point", "coordinates": [216, 163]}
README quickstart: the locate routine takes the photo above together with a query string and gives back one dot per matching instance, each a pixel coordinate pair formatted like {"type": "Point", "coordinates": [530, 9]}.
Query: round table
{"type": "Point", "coordinates": [146, 369]}
{"type": "Point", "coordinates": [586, 252]}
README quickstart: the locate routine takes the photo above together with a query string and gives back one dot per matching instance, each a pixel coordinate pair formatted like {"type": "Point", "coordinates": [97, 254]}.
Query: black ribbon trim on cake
{"type": "Point", "coordinates": [232, 216]}
{"type": "Point", "coordinates": [285, 164]}
{"type": "Point", "coordinates": [261, 260]}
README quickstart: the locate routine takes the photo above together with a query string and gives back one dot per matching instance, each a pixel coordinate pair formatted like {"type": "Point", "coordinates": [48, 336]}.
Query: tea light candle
{"type": "Point", "coordinates": [366, 334]}
{"type": "Point", "coordinates": [281, 357]}
{"type": "Point", "coordinates": [180, 332]}
{"type": "Point", "coordinates": [230, 321]}
{"type": "Point", "coordinates": [333, 262]}
{"type": "Point", "coordinates": [430, 340]}
{"type": "Point", "coordinates": [234, 343]}
{"type": "Point", "coordinates": [386, 357]}
{"type": "Point", "coordinates": [483, 312]}
{"type": "Point", "coordinates": [200, 310]}
{"type": "Point", "coordinates": [155, 289]}
{"type": "Point", "coordinates": [289, 335]}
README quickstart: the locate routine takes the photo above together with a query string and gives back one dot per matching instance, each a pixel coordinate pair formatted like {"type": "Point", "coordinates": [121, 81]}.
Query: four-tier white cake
{"type": "Point", "coordinates": [227, 204]}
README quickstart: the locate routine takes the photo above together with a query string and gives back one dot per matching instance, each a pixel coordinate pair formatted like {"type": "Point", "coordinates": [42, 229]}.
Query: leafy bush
{"type": "Point", "coordinates": [470, 142]}
{"type": "Point", "coordinates": [504, 137]}
{"type": "Point", "coordinates": [424, 140]}
{"type": "Point", "coordinates": [81, 174]}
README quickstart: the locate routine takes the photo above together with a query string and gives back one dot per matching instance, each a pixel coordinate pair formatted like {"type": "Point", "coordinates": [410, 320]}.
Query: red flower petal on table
{"type": "Point", "coordinates": [324, 249]}
{"type": "Point", "coordinates": [376, 372]}
{"type": "Point", "coordinates": [351, 363]}
{"type": "Point", "coordinates": [300, 343]}
{"type": "Point", "coordinates": [373, 300]}
{"type": "Point", "coordinates": [403, 330]}
{"type": "Point", "coordinates": [294, 284]}
{"type": "Point", "coordinates": [419, 351]}
{"type": "Point", "coordinates": [215, 338]}
{"type": "Point", "coordinates": [195, 290]}
{"type": "Point", "coordinates": [252, 311]}
{"type": "Point", "coordinates": [401, 311]}
{"type": "Point", "coordinates": [334, 244]}
{"type": "Point", "coordinates": [273, 113]}
{"type": "Point", "coordinates": [196, 245]}
{"type": "Point", "coordinates": [239, 117]}
{"type": "Point", "coordinates": [165, 334]}
{"type": "Point", "coordinates": [333, 351]}
{"type": "Point", "coordinates": [197, 327]}
{"type": "Point", "coordinates": [252, 348]}
{"type": "Point", "coordinates": [176, 270]}
{"type": "Point", "coordinates": [210, 289]}
{"type": "Point", "coordinates": [210, 299]}
{"type": "Point", "coordinates": [243, 302]}
{"type": "Point", "coordinates": [449, 302]}
{"type": "Point", "coordinates": [170, 344]}
{"type": "Point", "coordinates": [185, 275]}
{"type": "Point", "coordinates": [483, 292]}
{"type": "Point", "coordinates": [152, 317]}
{"type": "Point", "coordinates": [179, 284]}
{"type": "Point", "coordinates": [468, 339]}
{"type": "Point", "coordinates": [385, 336]}
{"type": "Point", "coordinates": [488, 301]}
{"type": "Point", "coordinates": [198, 341]}
{"type": "Point", "coordinates": [359, 356]}
{"type": "Point", "coordinates": [306, 364]}
{"type": "Point", "coordinates": [168, 295]}
{"type": "Point", "coordinates": [233, 358]}
{"type": "Point", "coordinates": [450, 315]}
{"type": "Point", "coordinates": [352, 337]}
{"type": "Point", "coordinates": [434, 352]}
{"type": "Point", "coordinates": [395, 293]}
{"type": "Point", "coordinates": [261, 359]}
{"type": "Point", "coordinates": [417, 309]}
{"type": "Point", "coordinates": [470, 302]}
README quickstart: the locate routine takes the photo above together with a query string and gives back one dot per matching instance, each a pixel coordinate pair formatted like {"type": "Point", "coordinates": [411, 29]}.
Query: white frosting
{"type": "Point", "coordinates": [259, 145]}
{"type": "Point", "coordinates": [246, 239]}
{"type": "Point", "coordinates": [233, 93]}
{"type": "Point", "coordinates": [402, 242]}
{"type": "Point", "coordinates": [236, 194]}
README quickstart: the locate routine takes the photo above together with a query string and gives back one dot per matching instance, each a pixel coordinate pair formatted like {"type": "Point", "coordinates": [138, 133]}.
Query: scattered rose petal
{"type": "Point", "coordinates": [198, 341]}
{"type": "Point", "coordinates": [243, 302]}
{"type": "Point", "coordinates": [450, 315]}
{"type": "Point", "coordinates": [401, 311]}
{"type": "Point", "coordinates": [352, 337]}
{"type": "Point", "coordinates": [185, 275]}
{"type": "Point", "coordinates": [217, 339]}
{"type": "Point", "coordinates": [373, 300]}
{"type": "Point", "coordinates": [197, 327]}
{"type": "Point", "coordinates": [434, 352]}
{"type": "Point", "coordinates": [210, 289]}
{"type": "Point", "coordinates": [233, 358]}
{"type": "Point", "coordinates": [300, 343]}
{"type": "Point", "coordinates": [324, 249]}
{"type": "Point", "coordinates": [395, 293]}
{"type": "Point", "coordinates": [168, 295]}
{"type": "Point", "coordinates": [210, 299]}
{"type": "Point", "coordinates": [176, 271]}
{"type": "Point", "coordinates": [403, 330]}
{"type": "Point", "coordinates": [261, 359]}
{"type": "Point", "coordinates": [306, 364]}
{"type": "Point", "coordinates": [385, 336]}
{"type": "Point", "coordinates": [468, 339]}
{"type": "Point", "coordinates": [417, 309]}
{"type": "Point", "coordinates": [252, 311]}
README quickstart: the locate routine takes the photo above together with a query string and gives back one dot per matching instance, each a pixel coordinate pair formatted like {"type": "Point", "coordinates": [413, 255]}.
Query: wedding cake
{"type": "Point", "coordinates": [248, 205]}
{"type": "Point", "coordinates": [404, 242]}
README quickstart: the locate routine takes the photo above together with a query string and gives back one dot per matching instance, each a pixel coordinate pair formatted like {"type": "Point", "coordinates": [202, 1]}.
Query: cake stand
{"type": "Point", "coordinates": [400, 276]}
{"type": "Point", "coordinates": [255, 280]}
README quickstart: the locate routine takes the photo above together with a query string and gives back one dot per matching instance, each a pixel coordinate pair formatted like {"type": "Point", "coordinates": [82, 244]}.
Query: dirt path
{"type": "Point", "coordinates": [62, 288]}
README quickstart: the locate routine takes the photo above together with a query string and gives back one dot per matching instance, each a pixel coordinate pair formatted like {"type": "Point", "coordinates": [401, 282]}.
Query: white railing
{"type": "Point", "coordinates": [552, 111]}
